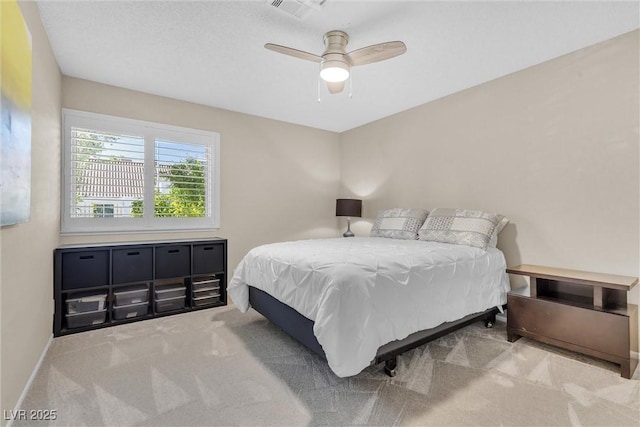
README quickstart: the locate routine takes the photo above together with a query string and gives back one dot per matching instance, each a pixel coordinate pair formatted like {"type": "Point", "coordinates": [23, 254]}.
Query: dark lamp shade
{"type": "Point", "coordinates": [349, 207]}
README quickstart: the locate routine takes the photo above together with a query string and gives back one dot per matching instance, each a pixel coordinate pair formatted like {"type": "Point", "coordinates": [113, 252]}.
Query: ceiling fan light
{"type": "Point", "coordinates": [334, 71]}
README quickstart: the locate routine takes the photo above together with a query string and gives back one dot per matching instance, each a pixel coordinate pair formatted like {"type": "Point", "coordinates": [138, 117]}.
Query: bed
{"type": "Point", "coordinates": [363, 300]}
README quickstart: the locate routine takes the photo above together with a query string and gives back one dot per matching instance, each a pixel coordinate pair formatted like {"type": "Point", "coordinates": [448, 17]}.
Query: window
{"type": "Point", "coordinates": [129, 175]}
{"type": "Point", "coordinates": [103, 210]}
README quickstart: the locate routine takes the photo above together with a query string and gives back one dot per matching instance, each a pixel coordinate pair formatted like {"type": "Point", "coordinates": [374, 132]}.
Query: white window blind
{"type": "Point", "coordinates": [180, 184]}
{"type": "Point", "coordinates": [129, 175]}
{"type": "Point", "coordinates": [106, 169]}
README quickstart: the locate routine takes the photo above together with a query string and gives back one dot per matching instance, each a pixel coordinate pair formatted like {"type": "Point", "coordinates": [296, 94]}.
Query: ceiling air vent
{"type": "Point", "coordinates": [297, 8]}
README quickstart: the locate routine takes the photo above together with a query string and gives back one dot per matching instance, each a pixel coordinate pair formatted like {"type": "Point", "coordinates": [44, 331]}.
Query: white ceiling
{"type": "Point", "coordinates": [211, 52]}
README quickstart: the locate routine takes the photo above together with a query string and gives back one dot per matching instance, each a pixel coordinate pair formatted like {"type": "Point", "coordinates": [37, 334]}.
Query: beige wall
{"type": "Point", "coordinates": [554, 147]}
{"type": "Point", "coordinates": [278, 181]}
{"type": "Point", "coordinates": [26, 258]}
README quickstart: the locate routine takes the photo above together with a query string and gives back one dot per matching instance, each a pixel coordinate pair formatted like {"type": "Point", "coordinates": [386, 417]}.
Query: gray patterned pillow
{"type": "Point", "coordinates": [399, 223]}
{"type": "Point", "coordinates": [493, 242]}
{"type": "Point", "coordinates": [460, 227]}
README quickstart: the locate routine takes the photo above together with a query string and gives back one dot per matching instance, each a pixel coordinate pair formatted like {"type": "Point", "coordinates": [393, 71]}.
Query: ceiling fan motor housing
{"type": "Point", "coordinates": [336, 42]}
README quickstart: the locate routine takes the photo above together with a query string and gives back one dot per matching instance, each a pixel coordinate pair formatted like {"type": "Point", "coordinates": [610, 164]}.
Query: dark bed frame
{"type": "Point", "coordinates": [301, 328]}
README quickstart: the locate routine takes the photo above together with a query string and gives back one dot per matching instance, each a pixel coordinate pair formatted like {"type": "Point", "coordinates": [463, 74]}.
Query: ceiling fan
{"type": "Point", "coordinates": [335, 62]}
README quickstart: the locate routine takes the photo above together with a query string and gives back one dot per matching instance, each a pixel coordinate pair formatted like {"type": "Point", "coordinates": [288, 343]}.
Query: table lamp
{"type": "Point", "coordinates": [349, 208]}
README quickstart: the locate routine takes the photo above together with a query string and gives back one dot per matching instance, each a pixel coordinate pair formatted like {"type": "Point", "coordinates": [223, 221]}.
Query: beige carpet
{"type": "Point", "coordinates": [221, 367]}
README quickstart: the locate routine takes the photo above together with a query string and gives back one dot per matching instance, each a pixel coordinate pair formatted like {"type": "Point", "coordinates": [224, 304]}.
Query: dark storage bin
{"type": "Point", "coordinates": [85, 302]}
{"type": "Point", "coordinates": [90, 318]}
{"type": "Point", "coordinates": [205, 282]}
{"type": "Point", "coordinates": [170, 291]}
{"type": "Point", "coordinates": [132, 265]}
{"type": "Point", "coordinates": [208, 258]}
{"type": "Point", "coordinates": [131, 295]}
{"type": "Point", "coordinates": [200, 302]}
{"type": "Point", "coordinates": [129, 311]}
{"type": "Point", "coordinates": [170, 304]}
{"type": "Point", "coordinates": [85, 269]}
{"type": "Point", "coordinates": [172, 261]}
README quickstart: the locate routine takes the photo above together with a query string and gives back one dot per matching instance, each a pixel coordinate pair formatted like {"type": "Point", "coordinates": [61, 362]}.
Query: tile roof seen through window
{"type": "Point", "coordinates": [113, 178]}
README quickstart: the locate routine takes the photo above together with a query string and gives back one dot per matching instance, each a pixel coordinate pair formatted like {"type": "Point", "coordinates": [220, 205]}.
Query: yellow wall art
{"type": "Point", "coordinates": [15, 146]}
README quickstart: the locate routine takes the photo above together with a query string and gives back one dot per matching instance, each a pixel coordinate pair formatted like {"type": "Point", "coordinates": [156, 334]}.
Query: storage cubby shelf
{"type": "Point", "coordinates": [113, 269]}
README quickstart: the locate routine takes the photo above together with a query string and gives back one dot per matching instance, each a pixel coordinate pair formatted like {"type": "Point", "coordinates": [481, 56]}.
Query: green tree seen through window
{"type": "Point", "coordinates": [186, 196]}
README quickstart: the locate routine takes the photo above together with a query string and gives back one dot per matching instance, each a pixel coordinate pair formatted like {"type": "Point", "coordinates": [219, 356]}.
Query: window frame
{"type": "Point", "coordinates": [150, 131]}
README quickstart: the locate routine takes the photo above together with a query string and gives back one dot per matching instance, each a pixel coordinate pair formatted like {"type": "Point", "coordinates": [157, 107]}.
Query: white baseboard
{"type": "Point", "coordinates": [27, 386]}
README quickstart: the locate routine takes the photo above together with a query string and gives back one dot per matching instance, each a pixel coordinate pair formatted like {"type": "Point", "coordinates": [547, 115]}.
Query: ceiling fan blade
{"type": "Point", "coordinates": [376, 53]}
{"type": "Point", "coordinates": [335, 87]}
{"type": "Point", "coordinates": [293, 52]}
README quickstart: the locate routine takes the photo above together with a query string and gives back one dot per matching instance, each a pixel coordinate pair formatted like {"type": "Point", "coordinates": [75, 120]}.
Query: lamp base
{"type": "Point", "coordinates": [348, 233]}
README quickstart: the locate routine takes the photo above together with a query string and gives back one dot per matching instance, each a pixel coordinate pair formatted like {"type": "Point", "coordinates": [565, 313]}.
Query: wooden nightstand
{"type": "Point", "coordinates": [576, 310]}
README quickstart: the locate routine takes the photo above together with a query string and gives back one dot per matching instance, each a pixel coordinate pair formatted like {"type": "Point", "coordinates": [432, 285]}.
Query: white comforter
{"type": "Point", "coordinates": [363, 292]}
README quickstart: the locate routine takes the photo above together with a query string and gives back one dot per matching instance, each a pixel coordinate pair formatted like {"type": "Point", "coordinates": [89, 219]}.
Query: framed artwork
{"type": "Point", "coordinates": [15, 146]}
